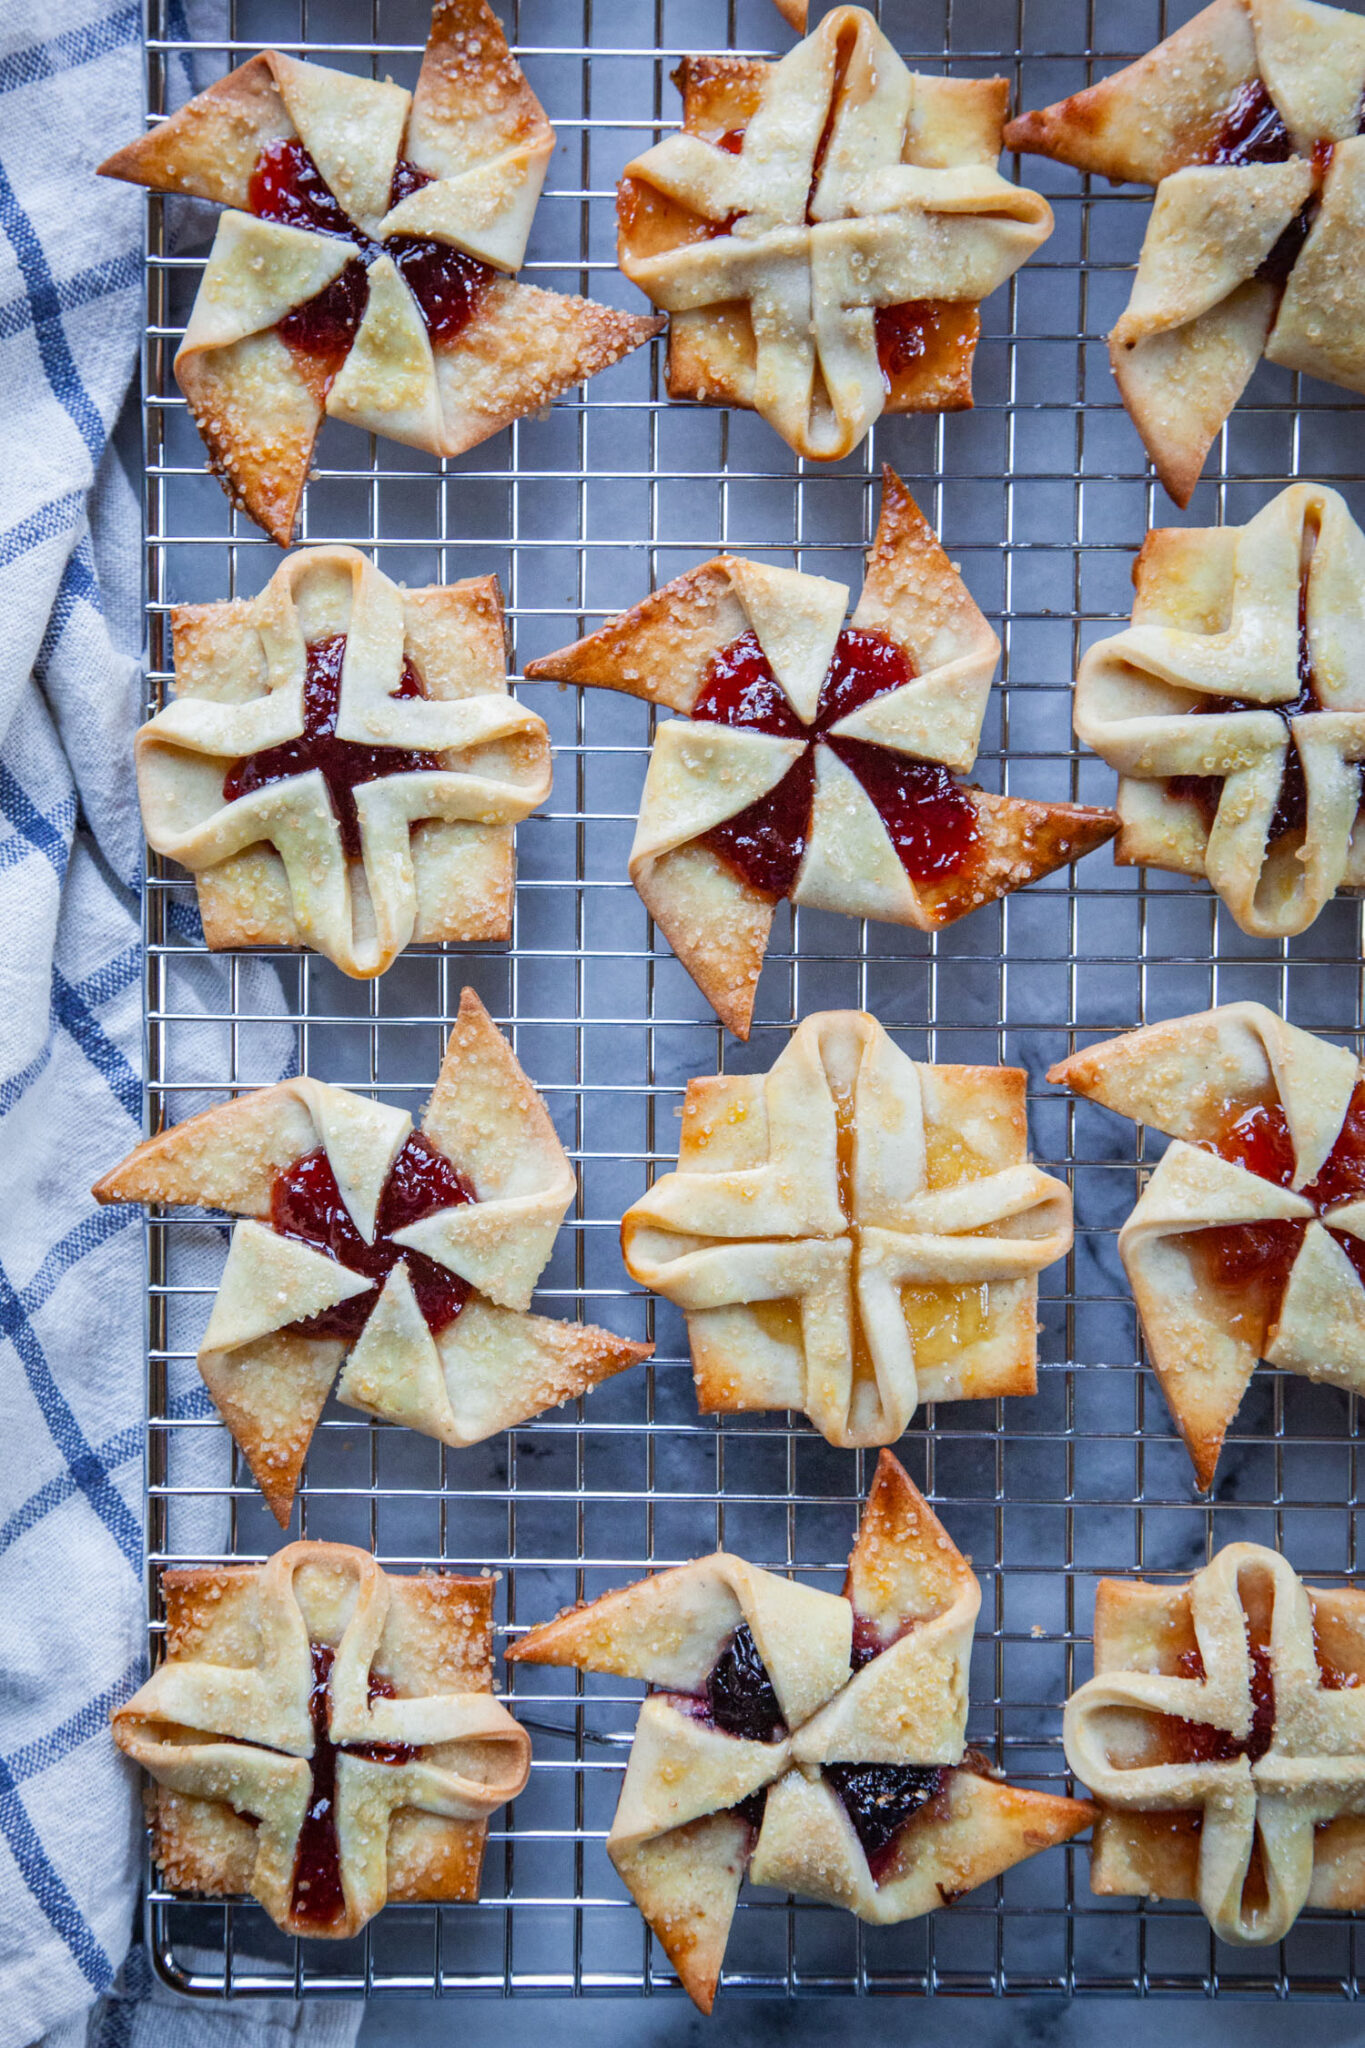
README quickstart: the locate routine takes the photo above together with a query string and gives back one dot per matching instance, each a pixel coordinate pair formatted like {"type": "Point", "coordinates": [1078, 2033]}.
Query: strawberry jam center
{"type": "Point", "coordinates": [318, 1899]}
{"type": "Point", "coordinates": [1250, 1263]}
{"type": "Point", "coordinates": [306, 1205]}
{"type": "Point", "coordinates": [286, 186]}
{"type": "Point", "coordinates": [344, 764]}
{"type": "Point", "coordinates": [929, 818]}
{"type": "Point", "coordinates": [1199, 1742]}
{"type": "Point", "coordinates": [1252, 130]}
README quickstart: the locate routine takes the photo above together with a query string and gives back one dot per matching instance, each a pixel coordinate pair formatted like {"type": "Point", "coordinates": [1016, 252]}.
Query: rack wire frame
{"type": "Point", "coordinates": [1042, 495]}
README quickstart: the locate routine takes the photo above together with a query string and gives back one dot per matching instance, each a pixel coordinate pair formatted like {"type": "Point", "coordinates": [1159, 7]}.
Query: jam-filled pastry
{"type": "Point", "coordinates": [816, 1741]}
{"type": "Point", "coordinates": [401, 1259]}
{"type": "Point", "coordinates": [343, 766]}
{"type": "Point", "coordinates": [1248, 1241]}
{"type": "Point", "coordinates": [822, 230]}
{"type": "Point", "coordinates": [814, 755]}
{"type": "Point", "coordinates": [323, 1735]}
{"type": "Point", "coordinates": [853, 1233]}
{"type": "Point", "coordinates": [1234, 708]}
{"type": "Point", "coordinates": [1223, 1739]}
{"type": "Point", "coordinates": [1247, 121]}
{"type": "Point", "coordinates": [364, 271]}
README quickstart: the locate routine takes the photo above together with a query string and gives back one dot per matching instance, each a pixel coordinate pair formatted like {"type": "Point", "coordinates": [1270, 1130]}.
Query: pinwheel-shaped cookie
{"type": "Point", "coordinates": [1233, 708]}
{"type": "Point", "coordinates": [1247, 122]}
{"type": "Point", "coordinates": [323, 1735]}
{"type": "Point", "coordinates": [342, 766]}
{"type": "Point", "coordinates": [853, 1233]}
{"type": "Point", "coordinates": [403, 1259]}
{"type": "Point", "coordinates": [813, 756]}
{"type": "Point", "coordinates": [364, 270]}
{"type": "Point", "coordinates": [822, 230]}
{"type": "Point", "coordinates": [1249, 1239]}
{"type": "Point", "coordinates": [1223, 1736]}
{"type": "Point", "coordinates": [816, 1740]}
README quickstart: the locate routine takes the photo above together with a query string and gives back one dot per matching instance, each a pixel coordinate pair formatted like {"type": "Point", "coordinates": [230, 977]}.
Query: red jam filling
{"type": "Point", "coordinates": [903, 336]}
{"type": "Point", "coordinates": [880, 1799]}
{"type": "Point", "coordinates": [306, 1204]}
{"type": "Point", "coordinates": [1251, 1262]}
{"type": "Point", "coordinates": [1252, 130]}
{"type": "Point", "coordinates": [287, 186]}
{"type": "Point", "coordinates": [931, 820]}
{"type": "Point", "coordinates": [345, 764]}
{"type": "Point", "coordinates": [318, 1899]}
{"type": "Point", "coordinates": [1197, 1742]}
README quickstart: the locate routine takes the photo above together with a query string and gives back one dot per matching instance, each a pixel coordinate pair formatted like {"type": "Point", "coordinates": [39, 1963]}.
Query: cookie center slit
{"type": "Point", "coordinates": [929, 818]}
{"type": "Point", "coordinates": [306, 1205]}
{"type": "Point", "coordinates": [344, 764]}
{"type": "Point", "coordinates": [318, 1897]}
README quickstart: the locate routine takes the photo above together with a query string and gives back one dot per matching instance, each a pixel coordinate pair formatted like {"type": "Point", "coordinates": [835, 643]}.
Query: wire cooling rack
{"type": "Point", "coordinates": [1042, 496]}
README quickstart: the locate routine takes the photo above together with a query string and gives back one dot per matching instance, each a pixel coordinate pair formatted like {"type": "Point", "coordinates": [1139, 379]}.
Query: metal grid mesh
{"type": "Point", "coordinates": [1041, 496]}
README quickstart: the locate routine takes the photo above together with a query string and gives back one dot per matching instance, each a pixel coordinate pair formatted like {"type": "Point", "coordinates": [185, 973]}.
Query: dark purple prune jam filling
{"type": "Point", "coordinates": [739, 1693]}
{"type": "Point", "coordinates": [879, 1799]}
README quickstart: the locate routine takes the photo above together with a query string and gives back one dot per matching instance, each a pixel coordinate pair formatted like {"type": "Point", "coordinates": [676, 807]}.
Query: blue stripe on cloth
{"type": "Point", "coordinates": [91, 1719]}
{"type": "Point", "coordinates": [18, 1085]}
{"type": "Point", "coordinates": [115, 2020]}
{"type": "Point", "coordinates": [93, 1230]}
{"type": "Point", "coordinates": [44, 834]}
{"type": "Point", "coordinates": [39, 1874]}
{"type": "Point", "coordinates": [79, 585]}
{"type": "Point", "coordinates": [86, 1467]}
{"type": "Point", "coordinates": [44, 524]}
{"type": "Point", "coordinates": [65, 53]}
{"type": "Point", "coordinates": [100, 281]}
{"type": "Point", "coordinates": [49, 333]}
{"type": "Point", "coordinates": [81, 1025]}
{"type": "Point", "coordinates": [113, 978]}
{"type": "Point", "coordinates": [113, 1452]}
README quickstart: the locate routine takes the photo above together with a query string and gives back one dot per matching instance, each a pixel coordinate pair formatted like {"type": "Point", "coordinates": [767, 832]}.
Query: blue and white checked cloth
{"type": "Point", "coordinates": [71, 1595]}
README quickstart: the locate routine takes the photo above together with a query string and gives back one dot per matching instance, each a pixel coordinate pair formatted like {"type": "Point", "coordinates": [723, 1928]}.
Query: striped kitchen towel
{"type": "Point", "coordinates": [71, 1319]}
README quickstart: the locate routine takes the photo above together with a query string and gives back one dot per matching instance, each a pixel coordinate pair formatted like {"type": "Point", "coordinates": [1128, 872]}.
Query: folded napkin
{"type": "Point", "coordinates": [72, 1614]}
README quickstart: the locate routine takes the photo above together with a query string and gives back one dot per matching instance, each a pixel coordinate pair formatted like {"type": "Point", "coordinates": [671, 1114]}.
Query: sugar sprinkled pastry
{"type": "Point", "coordinates": [1233, 708]}
{"type": "Point", "coordinates": [364, 271]}
{"type": "Point", "coordinates": [1248, 1241]}
{"type": "Point", "coordinates": [822, 230]}
{"type": "Point", "coordinates": [343, 766]}
{"type": "Point", "coordinates": [814, 755]}
{"type": "Point", "coordinates": [401, 1259]}
{"type": "Point", "coordinates": [323, 1735]}
{"type": "Point", "coordinates": [1223, 1737]}
{"type": "Point", "coordinates": [816, 1741]}
{"type": "Point", "coordinates": [1247, 121]}
{"type": "Point", "coordinates": [853, 1233]}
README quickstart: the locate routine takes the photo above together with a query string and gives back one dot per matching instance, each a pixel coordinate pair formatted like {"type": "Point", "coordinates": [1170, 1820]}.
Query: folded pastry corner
{"type": "Point", "coordinates": [816, 1741]}
{"type": "Point", "coordinates": [389, 1264]}
{"type": "Point", "coordinates": [1248, 1240]}
{"type": "Point", "coordinates": [322, 1734]}
{"type": "Point", "coordinates": [815, 754]}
